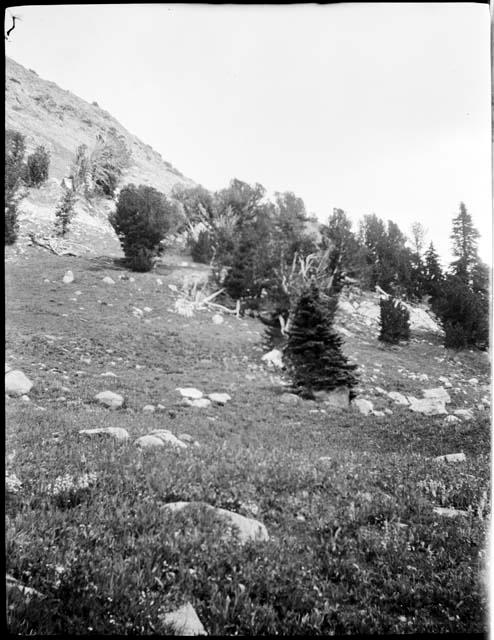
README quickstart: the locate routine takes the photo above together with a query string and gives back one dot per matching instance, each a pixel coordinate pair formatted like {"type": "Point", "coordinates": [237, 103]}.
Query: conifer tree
{"type": "Point", "coordinates": [395, 321]}
{"type": "Point", "coordinates": [464, 237]}
{"type": "Point", "coordinates": [313, 353]}
{"type": "Point", "coordinates": [433, 274]}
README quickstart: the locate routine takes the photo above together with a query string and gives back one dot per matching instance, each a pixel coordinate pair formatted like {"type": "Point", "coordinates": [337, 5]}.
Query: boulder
{"type": "Point", "coordinates": [219, 398]}
{"type": "Point", "coordinates": [184, 621]}
{"type": "Point", "coordinates": [345, 307]}
{"type": "Point", "coordinates": [108, 280]}
{"type": "Point", "coordinates": [273, 359]}
{"type": "Point", "coordinates": [17, 383]}
{"type": "Point", "coordinates": [118, 433]}
{"type": "Point", "coordinates": [168, 438]}
{"type": "Point", "coordinates": [248, 528]}
{"type": "Point", "coordinates": [439, 392]}
{"type": "Point", "coordinates": [427, 406]}
{"type": "Point", "coordinates": [109, 399]}
{"type": "Point", "coordinates": [364, 406]}
{"type": "Point", "coordinates": [397, 397]}
{"type": "Point", "coordinates": [451, 457]}
{"type": "Point", "coordinates": [190, 392]}
{"type": "Point", "coordinates": [68, 277]}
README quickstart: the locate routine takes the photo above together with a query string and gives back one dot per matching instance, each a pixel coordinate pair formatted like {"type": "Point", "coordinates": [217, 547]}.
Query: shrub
{"type": "Point", "coordinates": [38, 164]}
{"type": "Point", "coordinates": [65, 211]}
{"type": "Point", "coordinates": [313, 351]}
{"type": "Point", "coordinates": [142, 219]}
{"type": "Point", "coordinates": [15, 173]}
{"type": "Point", "coordinates": [395, 321]}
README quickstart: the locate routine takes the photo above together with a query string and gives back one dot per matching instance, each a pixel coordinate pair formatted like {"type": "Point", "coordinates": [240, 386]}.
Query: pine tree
{"type": "Point", "coordinates": [433, 274]}
{"type": "Point", "coordinates": [395, 321]}
{"type": "Point", "coordinates": [464, 237]}
{"type": "Point", "coordinates": [313, 353]}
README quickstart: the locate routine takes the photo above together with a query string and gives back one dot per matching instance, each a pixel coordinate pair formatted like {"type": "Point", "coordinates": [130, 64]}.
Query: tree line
{"type": "Point", "coordinates": [266, 252]}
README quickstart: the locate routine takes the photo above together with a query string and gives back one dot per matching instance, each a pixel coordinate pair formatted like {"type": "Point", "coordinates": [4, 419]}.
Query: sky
{"type": "Point", "coordinates": [371, 108]}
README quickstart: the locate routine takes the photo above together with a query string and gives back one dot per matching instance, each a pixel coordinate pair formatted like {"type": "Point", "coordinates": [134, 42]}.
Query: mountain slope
{"type": "Point", "coordinates": [48, 115]}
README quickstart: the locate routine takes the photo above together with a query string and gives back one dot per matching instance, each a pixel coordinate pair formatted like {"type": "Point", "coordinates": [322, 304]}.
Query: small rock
{"type": "Point", "coordinates": [380, 414]}
{"type": "Point", "coordinates": [466, 414]}
{"type": "Point", "coordinates": [108, 374]}
{"type": "Point", "coordinates": [199, 403]}
{"type": "Point", "coordinates": [473, 381]}
{"type": "Point", "coordinates": [248, 528]}
{"type": "Point", "coordinates": [78, 293]}
{"type": "Point", "coordinates": [451, 457]}
{"type": "Point", "coordinates": [388, 412]}
{"type": "Point", "coordinates": [324, 459]}
{"type": "Point", "coordinates": [289, 398]}
{"type": "Point", "coordinates": [160, 407]}
{"type": "Point", "coordinates": [423, 377]}
{"type": "Point", "coordinates": [439, 392]}
{"type": "Point", "coordinates": [427, 406]}
{"type": "Point", "coordinates": [397, 397]}
{"type": "Point", "coordinates": [25, 398]}
{"type": "Point", "coordinates": [185, 437]}
{"type": "Point", "coordinates": [445, 381]}
{"type": "Point", "coordinates": [217, 318]}
{"type": "Point", "coordinates": [184, 621]}
{"type": "Point", "coordinates": [364, 406]}
{"type": "Point", "coordinates": [147, 309]}
{"type": "Point", "coordinates": [108, 280]}
{"type": "Point", "coordinates": [451, 419]}
{"type": "Point", "coordinates": [168, 438]}
{"type": "Point", "coordinates": [149, 442]}
{"type": "Point", "coordinates": [190, 392]}
{"type": "Point", "coordinates": [17, 383]}
{"type": "Point", "coordinates": [219, 398]}
{"type": "Point", "coordinates": [449, 512]}
{"type": "Point", "coordinates": [159, 281]}
{"type": "Point", "coordinates": [109, 399]}
{"type": "Point", "coordinates": [149, 408]}
{"type": "Point", "coordinates": [273, 358]}
{"type": "Point", "coordinates": [119, 433]}
{"type": "Point", "coordinates": [68, 277]}
{"type": "Point", "coordinates": [338, 398]}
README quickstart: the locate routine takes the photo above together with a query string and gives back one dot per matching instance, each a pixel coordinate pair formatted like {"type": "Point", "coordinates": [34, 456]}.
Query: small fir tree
{"type": "Point", "coordinates": [395, 321]}
{"type": "Point", "coordinates": [433, 274]}
{"type": "Point", "coordinates": [65, 211]}
{"type": "Point", "coordinates": [313, 353]}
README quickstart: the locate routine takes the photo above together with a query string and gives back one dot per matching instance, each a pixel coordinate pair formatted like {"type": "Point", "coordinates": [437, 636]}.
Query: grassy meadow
{"type": "Point", "coordinates": [355, 545]}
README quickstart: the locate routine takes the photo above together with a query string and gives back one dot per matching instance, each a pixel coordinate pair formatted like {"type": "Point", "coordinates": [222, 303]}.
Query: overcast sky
{"type": "Point", "coordinates": [372, 108]}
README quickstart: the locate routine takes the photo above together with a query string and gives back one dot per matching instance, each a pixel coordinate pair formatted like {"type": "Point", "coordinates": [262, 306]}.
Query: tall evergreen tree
{"type": "Point", "coordinates": [313, 353]}
{"type": "Point", "coordinates": [464, 237]}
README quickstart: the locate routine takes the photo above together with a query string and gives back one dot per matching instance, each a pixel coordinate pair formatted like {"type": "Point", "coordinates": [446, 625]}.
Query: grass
{"type": "Point", "coordinates": [355, 546]}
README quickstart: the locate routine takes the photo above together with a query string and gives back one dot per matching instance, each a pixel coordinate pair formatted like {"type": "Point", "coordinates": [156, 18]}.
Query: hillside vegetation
{"type": "Point", "coordinates": [351, 502]}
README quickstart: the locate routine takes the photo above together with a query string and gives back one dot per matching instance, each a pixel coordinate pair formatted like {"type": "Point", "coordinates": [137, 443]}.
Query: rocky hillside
{"type": "Point", "coordinates": [61, 121]}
